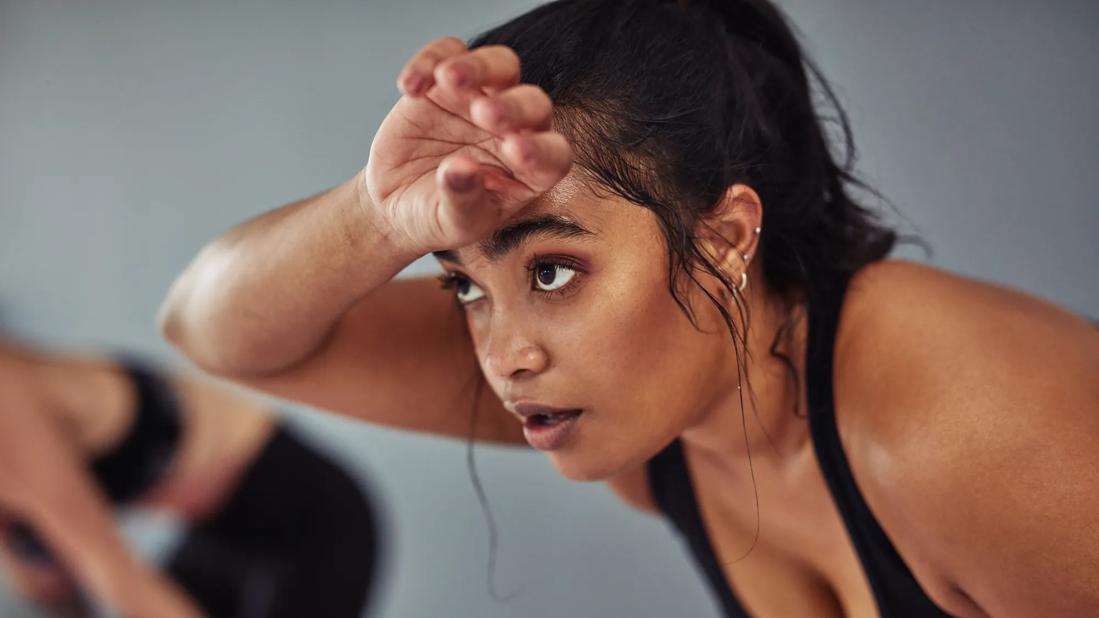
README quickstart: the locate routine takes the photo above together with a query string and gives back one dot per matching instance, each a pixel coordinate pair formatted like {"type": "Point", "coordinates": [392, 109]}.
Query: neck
{"type": "Point", "coordinates": [758, 419]}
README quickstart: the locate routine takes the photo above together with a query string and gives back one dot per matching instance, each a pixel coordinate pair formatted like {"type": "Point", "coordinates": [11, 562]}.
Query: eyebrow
{"type": "Point", "coordinates": [508, 238]}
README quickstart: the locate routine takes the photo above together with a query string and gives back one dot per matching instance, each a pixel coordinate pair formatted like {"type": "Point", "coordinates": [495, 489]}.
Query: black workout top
{"type": "Point", "coordinates": [895, 589]}
{"type": "Point", "coordinates": [137, 462]}
{"type": "Point", "coordinates": [142, 457]}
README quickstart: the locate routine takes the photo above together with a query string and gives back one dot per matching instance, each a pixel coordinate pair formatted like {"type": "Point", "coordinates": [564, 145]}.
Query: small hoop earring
{"type": "Point", "coordinates": [743, 282]}
{"type": "Point", "coordinates": [744, 273]}
{"type": "Point", "coordinates": [723, 292]}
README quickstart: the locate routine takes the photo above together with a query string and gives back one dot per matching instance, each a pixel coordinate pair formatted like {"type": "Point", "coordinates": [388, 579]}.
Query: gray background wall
{"type": "Point", "coordinates": [133, 132]}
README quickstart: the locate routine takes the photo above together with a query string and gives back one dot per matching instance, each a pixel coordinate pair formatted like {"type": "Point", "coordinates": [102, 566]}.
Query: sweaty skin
{"type": "Point", "coordinates": [967, 410]}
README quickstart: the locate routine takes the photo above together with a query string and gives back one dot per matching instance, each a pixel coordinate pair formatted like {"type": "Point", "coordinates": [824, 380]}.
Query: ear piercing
{"type": "Point", "coordinates": [724, 293]}
{"type": "Point", "coordinates": [743, 281]}
{"type": "Point", "coordinates": [747, 257]}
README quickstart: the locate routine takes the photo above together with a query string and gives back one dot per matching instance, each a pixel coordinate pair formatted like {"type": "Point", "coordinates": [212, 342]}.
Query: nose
{"type": "Point", "coordinates": [509, 354]}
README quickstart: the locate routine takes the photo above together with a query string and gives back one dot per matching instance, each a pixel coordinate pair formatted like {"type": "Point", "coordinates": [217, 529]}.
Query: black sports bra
{"type": "Point", "coordinates": [138, 462]}
{"type": "Point", "coordinates": [895, 590]}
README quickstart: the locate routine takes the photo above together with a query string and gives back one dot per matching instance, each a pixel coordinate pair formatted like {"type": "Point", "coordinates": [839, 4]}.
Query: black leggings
{"type": "Point", "coordinates": [298, 537]}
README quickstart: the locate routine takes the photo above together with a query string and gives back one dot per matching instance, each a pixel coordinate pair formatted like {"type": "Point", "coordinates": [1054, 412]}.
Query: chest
{"type": "Point", "coordinates": [795, 556]}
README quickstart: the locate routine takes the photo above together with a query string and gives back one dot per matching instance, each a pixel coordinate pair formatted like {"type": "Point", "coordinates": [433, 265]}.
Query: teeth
{"type": "Point", "coordinates": [553, 419]}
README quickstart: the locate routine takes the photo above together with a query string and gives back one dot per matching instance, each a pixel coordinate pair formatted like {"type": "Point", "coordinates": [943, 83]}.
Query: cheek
{"type": "Point", "coordinates": [477, 324]}
{"type": "Point", "coordinates": [640, 354]}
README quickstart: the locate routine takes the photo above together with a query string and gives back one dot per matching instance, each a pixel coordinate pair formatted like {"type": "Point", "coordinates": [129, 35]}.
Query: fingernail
{"type": "Point", "coordinates": [460, 182]}
{"type": "Point", "coordinates": [458, 75]}
{"type": "Point", "coordinates": [414, 83]}
{"type": "Point", "coordinates": [527, 150]}
{"type": "Point", "coordinates": [499, 115]}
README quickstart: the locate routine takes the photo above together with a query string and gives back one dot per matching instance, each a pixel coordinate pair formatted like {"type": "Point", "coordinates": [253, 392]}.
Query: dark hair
{"type": "Point", "coordinates": [668, 104]}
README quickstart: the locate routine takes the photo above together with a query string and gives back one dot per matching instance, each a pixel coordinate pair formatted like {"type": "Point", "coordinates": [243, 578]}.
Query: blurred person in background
{"type": "Point", "coordinates": [274, 528]}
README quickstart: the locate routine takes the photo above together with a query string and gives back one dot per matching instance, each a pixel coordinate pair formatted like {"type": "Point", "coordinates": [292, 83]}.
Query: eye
{"type": "Point", "coordinates": [468, 292]}
{"type": "Point", "coordinates": [550, 276]}
{"type": "Point", "coordinates": [465, 291]}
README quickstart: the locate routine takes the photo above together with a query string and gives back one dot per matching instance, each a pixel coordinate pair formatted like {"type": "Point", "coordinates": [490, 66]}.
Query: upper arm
{"type": "Point", "coordinates": [400, 357]}
{"type": "Point", "coordinates": [977, 448]}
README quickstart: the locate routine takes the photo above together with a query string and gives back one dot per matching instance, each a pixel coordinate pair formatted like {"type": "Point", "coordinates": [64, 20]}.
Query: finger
{"type": "Point", "coordinates": [525, 106]}
{"type": "Point", "coordinates": [418, 74]}
{"type": "Point", "coordinates": [491, 68]}
{"type": "Point", "coordinates": [21, 576]}
{"type": "Point", "coordinates": [460, 182]}
{"type": "Point", "coordinates": [539, 160]}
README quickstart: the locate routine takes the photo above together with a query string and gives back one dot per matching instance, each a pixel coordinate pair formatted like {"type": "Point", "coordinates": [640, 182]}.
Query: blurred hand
{"type": "Point", "coordinates": [43, 582]}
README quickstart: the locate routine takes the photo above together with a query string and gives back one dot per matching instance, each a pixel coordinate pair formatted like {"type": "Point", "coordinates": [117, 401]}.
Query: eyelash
{"type": "Point", "coordinates": [538, 260]}
{"type": "Point", "coordinates": [450, 280]}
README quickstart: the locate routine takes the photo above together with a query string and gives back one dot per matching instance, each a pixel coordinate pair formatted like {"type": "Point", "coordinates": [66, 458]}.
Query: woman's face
{"type": "Point", "coordinates": [568, 306]}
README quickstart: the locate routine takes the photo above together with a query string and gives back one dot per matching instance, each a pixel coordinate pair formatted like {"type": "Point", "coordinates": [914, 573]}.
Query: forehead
{"type": "Point", "coordinates": [573, 198]}
{"type": "Point", "coordinates": [570, 209]}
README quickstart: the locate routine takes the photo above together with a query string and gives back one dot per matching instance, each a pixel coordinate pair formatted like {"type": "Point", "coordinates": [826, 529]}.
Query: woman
{"type": "Point", "coordinates": [704, 353]}
{"type": "Point", "coordinates": [276, 529]}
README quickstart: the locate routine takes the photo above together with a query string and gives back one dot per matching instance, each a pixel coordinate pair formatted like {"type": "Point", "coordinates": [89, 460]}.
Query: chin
{"type": "Point", "coordinates": [578, 468]}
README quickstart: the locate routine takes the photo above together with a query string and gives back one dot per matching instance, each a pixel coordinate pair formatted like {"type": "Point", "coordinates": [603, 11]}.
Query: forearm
{"type": "Point", "coordinates": [266, 293]}
{"type": "Point", "coordinates": [113, 575]}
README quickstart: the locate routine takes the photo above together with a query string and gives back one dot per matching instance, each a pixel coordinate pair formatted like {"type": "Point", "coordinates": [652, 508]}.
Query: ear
{"type": "Point", "coordinates": [728, 233]}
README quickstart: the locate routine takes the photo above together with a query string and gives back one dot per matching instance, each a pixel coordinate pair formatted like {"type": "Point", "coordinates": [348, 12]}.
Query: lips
{"type": "Point", "coordinates": [538, 414]}
{"type": "Point", "coordinates": [546, 428]}
{"type": "Point", "coordinates": [529, 410]}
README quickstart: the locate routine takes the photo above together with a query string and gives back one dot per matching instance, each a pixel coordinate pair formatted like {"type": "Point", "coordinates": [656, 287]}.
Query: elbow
{"type": "Point", "coordinates": [213, 360]}
{"type": "Point", "coordinates": [176, 324]}
{"type": "Point", "coordinates": [170, 320]}
{"type": "Point", "coordinates": [216, 353]}
{"type": "Point", "coordinates": [212, 319]}
{"type": "Point", "coordinates": [167, 323]}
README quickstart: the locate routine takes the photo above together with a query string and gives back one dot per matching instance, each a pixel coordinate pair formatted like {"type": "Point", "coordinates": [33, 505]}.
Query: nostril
{"type": "Point", "coordinates": [515, 362]}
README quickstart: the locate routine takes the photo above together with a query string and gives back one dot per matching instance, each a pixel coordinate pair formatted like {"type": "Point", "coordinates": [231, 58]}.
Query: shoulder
{"type": "Point", "coordinates": [914, 337]}
{"type": "Point", "coordinates": [970, 413]}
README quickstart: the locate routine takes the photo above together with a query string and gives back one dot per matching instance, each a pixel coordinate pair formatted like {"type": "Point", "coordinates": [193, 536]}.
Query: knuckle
{"type": "Point", "coordinates": [449, 45]}
{"type": "Point", "coordinates": [501, 57]}
{"type": "Point", "coordinates": [507, 54]}
{"type": "Point", "coordinates": [536, 96]}
{"type": "Point", "coordinates": [557, 144]}
{"type": "Point", "coordinates": [472, 62]}
{"type": "Point", "coordinates": [440, 49]}
{"type": "Point", "coordinates": [464, 66]}
{"type": "Point", "coordinates": [444, 64]}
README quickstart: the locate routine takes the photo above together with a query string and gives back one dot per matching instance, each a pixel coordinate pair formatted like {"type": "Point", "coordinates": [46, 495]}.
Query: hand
{"type": "Point", "coordinates": [42, 581]}
{"type": "Point", "coordinates": [464, 149]}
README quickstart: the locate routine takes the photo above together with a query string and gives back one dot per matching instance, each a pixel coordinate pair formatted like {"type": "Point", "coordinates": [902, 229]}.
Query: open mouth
{"type": "Point", "coordinates": [548, 431]}
{"type": "Point", "coordinates": [548, 420]}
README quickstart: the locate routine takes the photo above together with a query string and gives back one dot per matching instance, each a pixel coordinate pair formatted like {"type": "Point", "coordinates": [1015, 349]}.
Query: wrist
{"type": "Point", "coordinates": [373, 229]}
